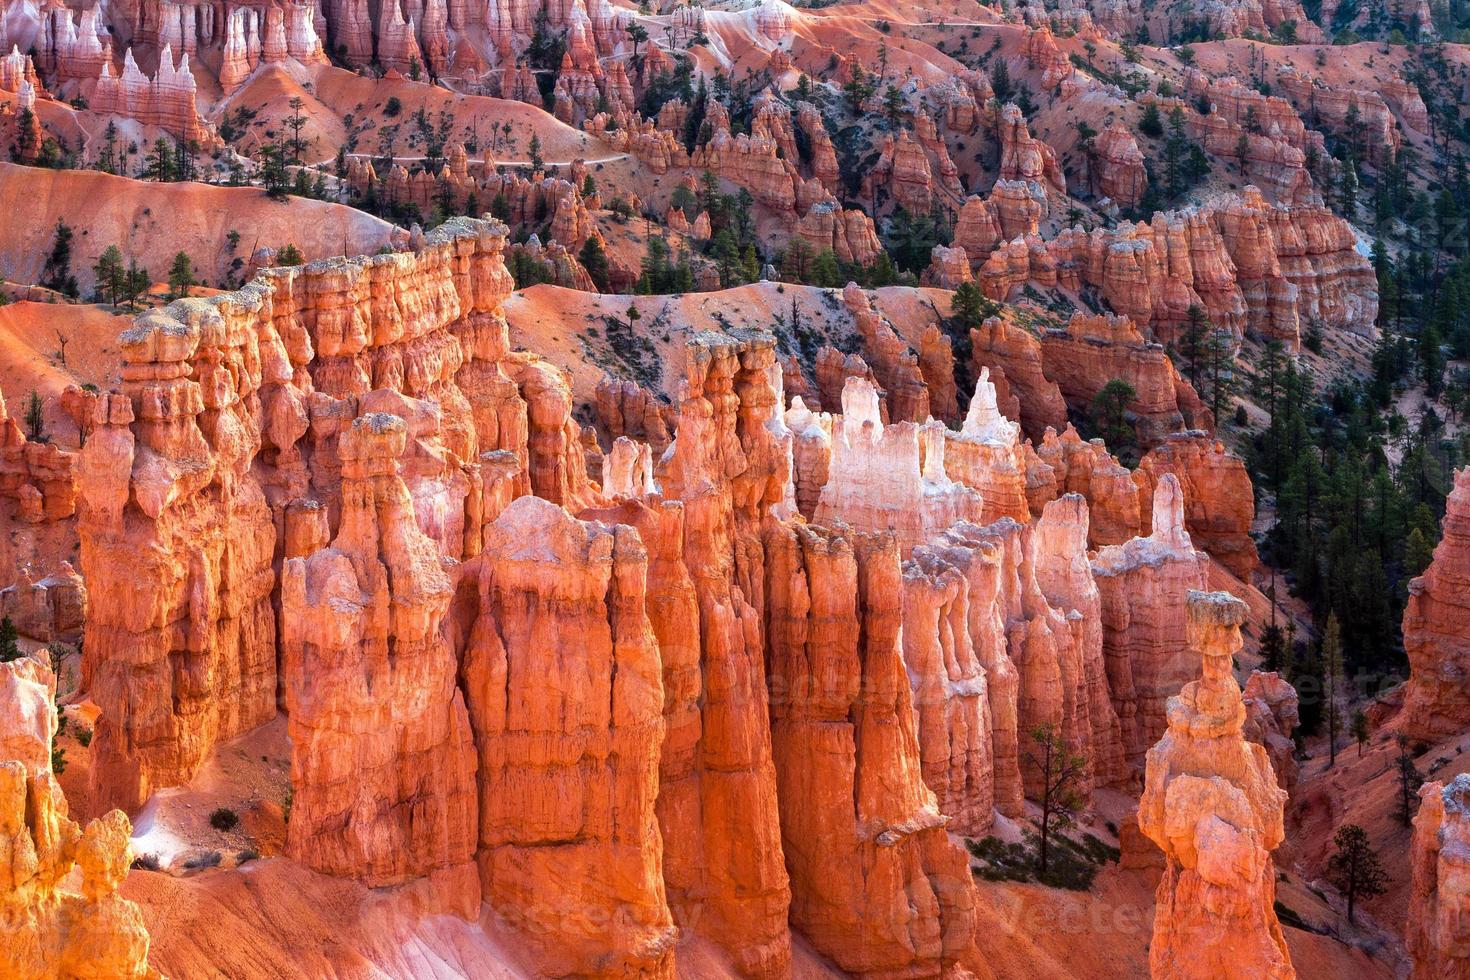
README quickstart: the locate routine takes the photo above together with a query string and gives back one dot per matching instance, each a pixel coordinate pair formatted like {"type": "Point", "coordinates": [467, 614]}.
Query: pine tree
{"type": "Point", "coordinates": [180, 275]}
{"type": "Point", "coordinates": [826, 271]}
{"type": "Point", "coordinates": [1360, 730]}
{"type": "Point", "coordinates": [9, 641]}
{"type": "Point", "coordinates": [1409, 782]}
{"type": "Point", "coordinates": [108, 271]}
{"type": "Point", "coordinates": [797, 260]}
{"type": "Point", "coordinates": [56, 273]}
{"type": "Point", "coordinates": [35, 417]}
{"type": "Point", "coordinates": [1353, 868]}
{"type": "Point", "coordinates": [594, 260]}
{"type": "Point", "coordinates": [1332, 678]}
{"type": "Point", "coordinates": [1150, 123]}
{"type": "Point", "coordinates": [969, 307]}
{"type": "Point", "coordinates": [159, 164]}
{"type": "Point", "coordinates": [1060, 772]}
{"type": "Point", "coordinates": [1110, 410]}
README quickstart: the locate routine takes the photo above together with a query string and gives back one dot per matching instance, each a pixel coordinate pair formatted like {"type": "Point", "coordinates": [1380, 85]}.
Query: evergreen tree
{"type": "Point", "coordinates": [1061, 772]}
{"type": "Point", "coordinates": [594, 260]}
{"type": "Point", "coordinates": [109, 273]}
{"type": "Point", "coordinates": [1353, 868]}
{"type": "Point", "coordinates": [968, 307]}
{"type": "Point", "coordinates": [56, 273]}
{"type": "Point", "coordinates": [1150, 123]}
{"type": "Point", "coordinates": [35, 417]}
{"type": "Point", "coordinates": [826, 270]}
{"type": "Point", "coordinates": [180, 275]}
{"type": "Point", "coordinates": [796, 261]}
{"type": "Point", "coordinates": [9, 641]}
{"type": "Point", "coordinates": [159, 164]}
{"type": "Point", "coordinates": [1110, 411]}
{"type": "Point", "coordinates": [1332, 678]}
{"type": "Point", "coordinates": [1409, 782]}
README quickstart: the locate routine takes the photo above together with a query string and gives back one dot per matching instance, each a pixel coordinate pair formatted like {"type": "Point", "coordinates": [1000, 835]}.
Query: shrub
{"type": "Point", "coordinates": [223, 819]}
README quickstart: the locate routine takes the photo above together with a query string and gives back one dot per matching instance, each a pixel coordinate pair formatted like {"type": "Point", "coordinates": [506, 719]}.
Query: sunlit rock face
{"type": "Point", "coordinates": [1212, 805]}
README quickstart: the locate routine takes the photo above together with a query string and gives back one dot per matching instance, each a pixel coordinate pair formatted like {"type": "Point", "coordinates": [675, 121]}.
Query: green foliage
{"type": "Point", "coordinates": [594, 260]}
{"type": "Point", "coordinates": [290, 255]}
{"type": "Point", "coordinates": [1353, 868]}
{"type": "Point", "coordinates": [35, 417]}
{"type": "Point", "coordinates": [181, 274]}
{"type": "Point", "coordinates": [109, 272]}
{"type": "Point", "coordinates": [1150, 123]}
{"type": "Point", "coordinates": [56, 273]}
{"type": "Point", "coordinates": [1110, 413]}
{"type": "Point", "coordinates": [9, 641]}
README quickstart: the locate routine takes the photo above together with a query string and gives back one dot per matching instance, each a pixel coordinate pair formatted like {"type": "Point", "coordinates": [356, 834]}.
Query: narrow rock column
{"type": "Point", "coordinates": [1211, 804]}
{"type": "Point", "coordinates": [382, 763]}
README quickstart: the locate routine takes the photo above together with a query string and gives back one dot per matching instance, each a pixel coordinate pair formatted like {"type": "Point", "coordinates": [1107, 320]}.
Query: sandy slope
{"type": "Point", "coordinates": [152, 221]}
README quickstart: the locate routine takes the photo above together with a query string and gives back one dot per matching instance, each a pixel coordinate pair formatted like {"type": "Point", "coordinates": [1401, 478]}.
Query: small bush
{"type": "Point", "coordinates": [223, 819]}
{"type": "Point", "coordinates": [84, 737]}
{"type": "Point", "coordinates": [145, 862]}
{"type": "Point", "coordinates": [205, 859]}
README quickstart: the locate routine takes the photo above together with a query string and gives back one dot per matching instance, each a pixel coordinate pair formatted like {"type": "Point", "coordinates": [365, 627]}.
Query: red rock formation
{"type": "Point", "coordinates": [1022, 157]}
{"type": "Point", "coordinates": [1271, 707]}
{"type": "Point", "coordinates": [1211, 804]}
{"type": "Point", "coordinates": [1245, 263]}
{"type": "Point", "coordinates": [165, 101]}
{"type": "Point", "coordinates": [1067, 464]}
{"type": "Point", "coordinates": [1219, 502]}
{"type": "Point", "coordinates": [948, 268]}
{"type": "Point", "coordinates": [811, 454]}
{"type": "Point", "coordinates": [877, 885]}
{"type": "Point", "coordinates": [177, 545]}
{"type": "Point", "coordinates": [53, 928]}
{"type": "Point", "coordinates": [1094, 350]}
{"type": "Point", "coordinates": [1437, 629]}
{"type": "Point", "coordinates": [950, 694]}
{"type": "Point", "coordinates": [1350, 111]}
{"type": "Point", "coordinates": [1065, 578]}
{"type": "Point", "coordinates": [382, 763]}
{"type": "Point", "coordinates": [895, 365]}
{"type": "Point", "coordinates": [1143, 584]}
{"type": "Point", "coordinates": [881, 478]}
{"type": "Point", "coordinates": [988, 558]}
{"type": "Point", "coordinates": [985, 455]}
{"type": "Point", "coordinates": [562, 678]}
{"type": "Point", "coordinates": [624, 408]}
{"type": "Point", "coordinates": [1116, 166]}
{"type": "Point", "coordinates": [1435, 929]}
{"type": "Point", "coordinates": [1014, 356]}
{"type": "Point", "coordinates": [729, 465]}
{"type": "Point", "coordinates": [849, 232]}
